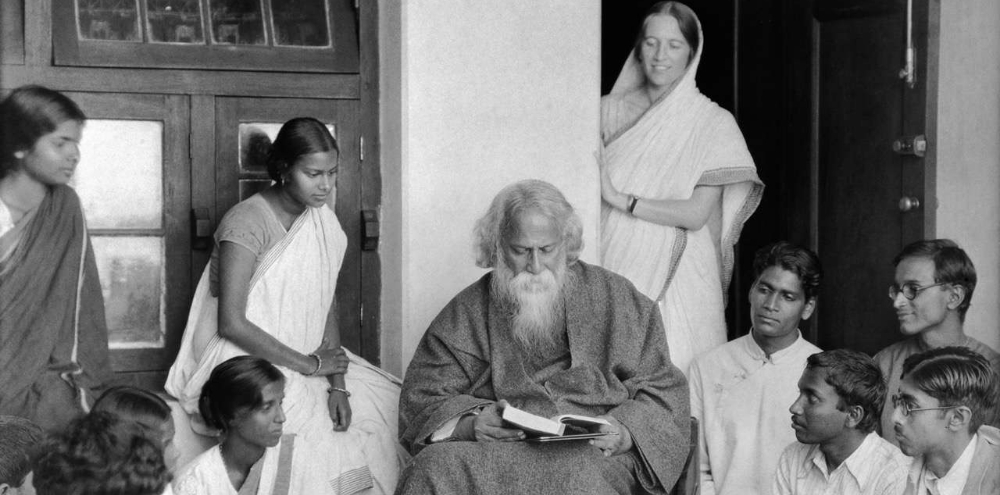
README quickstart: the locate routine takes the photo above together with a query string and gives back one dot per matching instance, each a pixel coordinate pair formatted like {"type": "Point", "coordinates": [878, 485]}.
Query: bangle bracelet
{"type": "Point", "coordinates": [319, 364]}
{"type": "Point", "coordinates": [632, 201]}
{"type": "Point", "coordinates": [338, 389]}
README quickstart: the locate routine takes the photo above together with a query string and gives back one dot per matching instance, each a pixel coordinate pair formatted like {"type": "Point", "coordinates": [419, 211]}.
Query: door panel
{"type": "Point", "coordinates": [240, 173]}
{"type": "Point", "coordinates": [136, 194]}
{"type": "Point", "coordinates": [861, 106]}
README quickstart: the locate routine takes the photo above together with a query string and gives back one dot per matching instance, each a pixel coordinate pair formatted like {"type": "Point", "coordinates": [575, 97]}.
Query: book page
{"type": "Point", "coordinates": [531, 423]}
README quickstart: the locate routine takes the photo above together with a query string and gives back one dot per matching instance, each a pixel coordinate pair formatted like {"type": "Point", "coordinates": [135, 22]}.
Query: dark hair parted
{"type": "Point", "coordinates": [956, 376]}
{"type": "Point", "coordinates": [234, 388]}
{"type": "Point", "coordinates": [686, 20]}
{"type": "Point", "coordinates": [27, 114]}
{"type": "Point", "coordinates": [794, 258]}
{"type": "Point", "coordinates": [298, 137]}
{"type": "Point", "coordinates": [134, 404]}
{"type": "Point", "coordinates": [500, 219]}
{"type": "Point", "coordinates": [951, 265]}
{"type": "Point", "coordinates": [857, 380]}
{"type": "Point", "coordinates": [100, 453]}
{"type": "Point", "coordinates": [19, 439]}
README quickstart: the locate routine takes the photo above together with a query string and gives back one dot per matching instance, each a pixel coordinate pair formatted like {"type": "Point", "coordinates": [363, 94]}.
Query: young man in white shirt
{"type": "Point", "coordinates": [740, 391]}
{"type": "Point", "coordinates": [945, 396]}
{"type": "Point", "coordinates": [838, 452]}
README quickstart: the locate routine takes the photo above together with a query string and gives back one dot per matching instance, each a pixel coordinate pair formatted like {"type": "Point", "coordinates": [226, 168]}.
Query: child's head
{"type": "Point", "coordinates": [29, 114]}
{"type": "Point", "coordinates": [243, 397]}
{"type": "Point", "coordinates": [101, 453]}
{"type": "Point", "coordinates": [145, 408]}
{"type": "Point", "coordinates": [19, 439]}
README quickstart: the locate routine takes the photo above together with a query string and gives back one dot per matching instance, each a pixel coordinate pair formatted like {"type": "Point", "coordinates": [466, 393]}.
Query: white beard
{"type": "Point", "coordinates": [535, 305]}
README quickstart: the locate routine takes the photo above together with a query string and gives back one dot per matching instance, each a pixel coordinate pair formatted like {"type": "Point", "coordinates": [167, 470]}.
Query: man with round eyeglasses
{"type": "Point", "coordinates": [945, 397]}
{"type": "Point", "coordinates": [931, 294]}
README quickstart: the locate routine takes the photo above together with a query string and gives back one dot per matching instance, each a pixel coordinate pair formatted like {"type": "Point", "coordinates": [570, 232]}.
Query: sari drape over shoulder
{"type": "Point", "coordinates": [683, 140]}
{"type": "Point", "coordinates": [271, 475]}
{"type": "Point", "coordinates": [53, 335]}
{"type": "Point", "coordinates": [290, 295]}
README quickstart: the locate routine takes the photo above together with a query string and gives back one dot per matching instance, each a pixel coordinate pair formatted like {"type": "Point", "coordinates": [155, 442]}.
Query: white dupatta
{"type": "Point", "coordinates": [683, 140]}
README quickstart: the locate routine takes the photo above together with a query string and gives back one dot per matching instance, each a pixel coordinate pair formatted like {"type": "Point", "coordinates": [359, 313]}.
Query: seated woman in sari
{"type": "Point", "coordinates": [677, 180]}
{"type": "Point", "coordinates": [269, 292]}
{"type": "Point", "coordinates": [53, 336]}
{"type": "Point", "coordinates": [242, 399]}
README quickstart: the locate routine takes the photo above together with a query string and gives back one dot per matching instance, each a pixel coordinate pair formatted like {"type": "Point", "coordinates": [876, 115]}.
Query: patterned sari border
{"type": "Point", "coordinates": [676, 251]}
{"type": "Point", "coordinates": [283, 482]}
{"type": "Point", "coordinates": [353, 481]}
{"type": "Point", "coordinates": [272, 256]}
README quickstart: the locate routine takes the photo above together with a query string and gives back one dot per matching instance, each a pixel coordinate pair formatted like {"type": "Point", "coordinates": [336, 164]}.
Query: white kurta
{"type": "Point", "coordinates": [740, 398]}
{"type": "Point", "coordinates": [876, 467]}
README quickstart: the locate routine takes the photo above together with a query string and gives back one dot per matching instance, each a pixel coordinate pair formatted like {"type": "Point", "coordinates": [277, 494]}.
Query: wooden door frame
{"type": "Point", "coordinates": [27, 49]}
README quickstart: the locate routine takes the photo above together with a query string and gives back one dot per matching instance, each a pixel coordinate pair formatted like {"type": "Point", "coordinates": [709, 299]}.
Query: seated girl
{"type": "Point", "coordinates": [242, 399]}
{"type": "Point", "coordinates": [146, 409]}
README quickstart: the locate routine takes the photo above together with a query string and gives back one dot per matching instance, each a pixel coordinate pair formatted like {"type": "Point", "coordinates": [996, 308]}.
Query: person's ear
{"type": "Point", "coordinates": [810, 306]}
{"type": "Point", "coordinates": [956, 296]}
{"type": "Point", "coordinates": [960, 418]}
{"type": "Point", "coordinates": [20, 156]}
{"type": "Point", "coordinates": [855, 414]}
{"type": "Point", "coordinates": [6, 489]}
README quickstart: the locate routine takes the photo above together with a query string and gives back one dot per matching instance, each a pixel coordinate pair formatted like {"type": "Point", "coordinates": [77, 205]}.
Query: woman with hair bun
{"type": "Point", "coordinates": [269, 292]}
{"type": "Point", "coordinates": [98, 454]}
{"type": "Point", "coordinates": [52, 326]}
{"type": "Point", "coordinates": [243, 400]}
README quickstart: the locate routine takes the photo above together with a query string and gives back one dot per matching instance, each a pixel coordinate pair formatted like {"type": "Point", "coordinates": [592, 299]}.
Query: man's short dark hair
{"type": "Point", "coordinates": [857, 380]}
{"type": "Point", "coordinates": [794, 258]}
{"type": "Point", "coordinates": [951, 265]}
{"type": "Point", "coordinates": [19, 438]}
{"type": "Point", "coordinates": [956, 376]}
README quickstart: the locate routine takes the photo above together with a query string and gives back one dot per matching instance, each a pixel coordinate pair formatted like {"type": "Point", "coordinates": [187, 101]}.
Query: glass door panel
{"type": "Point", "coordinates": [134, 184]}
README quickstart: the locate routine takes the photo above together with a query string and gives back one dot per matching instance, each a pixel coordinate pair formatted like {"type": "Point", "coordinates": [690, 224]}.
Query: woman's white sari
{"type": "Point", "coordinates": [682, 141]}
{"type": "Point", "coordinates": [207, 474]}
{"type": "Point", "coordinates": [290, 294]}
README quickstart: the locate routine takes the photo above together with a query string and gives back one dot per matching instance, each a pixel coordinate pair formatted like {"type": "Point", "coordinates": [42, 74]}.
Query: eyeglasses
{"type": "Point", "coordinates": [900, 403]}
{"type": "Point", "coordinates": [909, 291]}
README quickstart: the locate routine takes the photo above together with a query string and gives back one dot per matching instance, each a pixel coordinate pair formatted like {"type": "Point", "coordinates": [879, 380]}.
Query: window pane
{"type": "Point", "coordinates": [108, 20]}
{"type": "Point", "coordinates": [131, 271]}
{"type": "Point", "coordinates": [301, 23]}
{"type": "Point", "coordinates": [237, 22]}
{"type": "Point", "coordinates": [174, 21]}
{"type": "Point", "coordinates": [120, 175]}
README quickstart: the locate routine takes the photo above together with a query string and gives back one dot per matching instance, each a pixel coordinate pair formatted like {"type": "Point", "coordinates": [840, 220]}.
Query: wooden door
{"type": "Point", "coordinates": [861, 105]}
{"type": "Point", "coordinates": [237, 179]}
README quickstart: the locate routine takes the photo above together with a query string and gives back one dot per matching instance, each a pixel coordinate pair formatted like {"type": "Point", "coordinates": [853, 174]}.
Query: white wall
{"type": "Point", "coordinates": [968, 150]}
{"type": "Point", "coordinates": [476, 95]}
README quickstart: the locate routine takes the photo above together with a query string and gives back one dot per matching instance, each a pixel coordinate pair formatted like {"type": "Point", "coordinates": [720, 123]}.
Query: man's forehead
{"type": "Point", "coordinates": [779, 278]}
{"type": "Point", "coordinates": [915, 269]}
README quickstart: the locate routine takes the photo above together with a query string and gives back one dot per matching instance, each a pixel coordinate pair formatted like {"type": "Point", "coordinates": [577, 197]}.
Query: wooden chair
{"type": "Point", "coordinates": [687, 484]}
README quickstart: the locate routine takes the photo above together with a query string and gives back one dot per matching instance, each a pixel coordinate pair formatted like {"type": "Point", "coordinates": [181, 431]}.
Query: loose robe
{"type": "Point", "coordinates": [616, 363]}
{"type": "Point", "coordinates": [53, 335]}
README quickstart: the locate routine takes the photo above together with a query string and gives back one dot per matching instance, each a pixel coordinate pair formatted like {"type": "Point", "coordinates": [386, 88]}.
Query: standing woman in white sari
{"type": "Point", "coordinates": [677, 180]}
{"type": "Point", "coordinates": [269, 292]}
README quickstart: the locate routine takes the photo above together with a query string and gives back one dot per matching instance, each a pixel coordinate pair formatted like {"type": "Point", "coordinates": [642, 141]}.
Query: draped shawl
{"type": "Point", "coordinates": [618, 365]}
{"type": "Point", "coordinates": [53, 335]}
{"type": "Point", "coordinates": [681, 141]}
{"type": "Point", "coordinates": [290, 294]}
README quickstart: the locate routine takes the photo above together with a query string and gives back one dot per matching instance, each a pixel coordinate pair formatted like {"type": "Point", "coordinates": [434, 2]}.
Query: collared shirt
{"type": "Point", "coordinates": [741, 396]}
{"type": "Point", "coordinates": [876, 467]}
{"type": "Point", "coordinates": [953, 482]}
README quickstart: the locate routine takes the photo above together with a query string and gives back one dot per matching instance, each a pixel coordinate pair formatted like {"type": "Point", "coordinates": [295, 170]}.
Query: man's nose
{"type": "Point", "coordinates": [795, 408]}
{"type": "Point", "coordinates": [281, 416]}
{"type": "Point", "coordinates": [771, 302]}
{"type": "Point", "coordinates": [897, 414]}
{"type": "Point", "coordinates": [900, 300]}
{"type": "Point", "coordinates": [534, 262]}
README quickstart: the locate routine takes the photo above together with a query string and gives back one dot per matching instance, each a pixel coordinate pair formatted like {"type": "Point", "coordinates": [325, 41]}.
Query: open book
{"type": "Point", "coordinates": [538, 426]}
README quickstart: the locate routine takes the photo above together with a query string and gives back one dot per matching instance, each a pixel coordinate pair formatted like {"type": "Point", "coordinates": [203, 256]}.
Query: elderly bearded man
{"type": "Point", "coordinates": [551, 335]}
